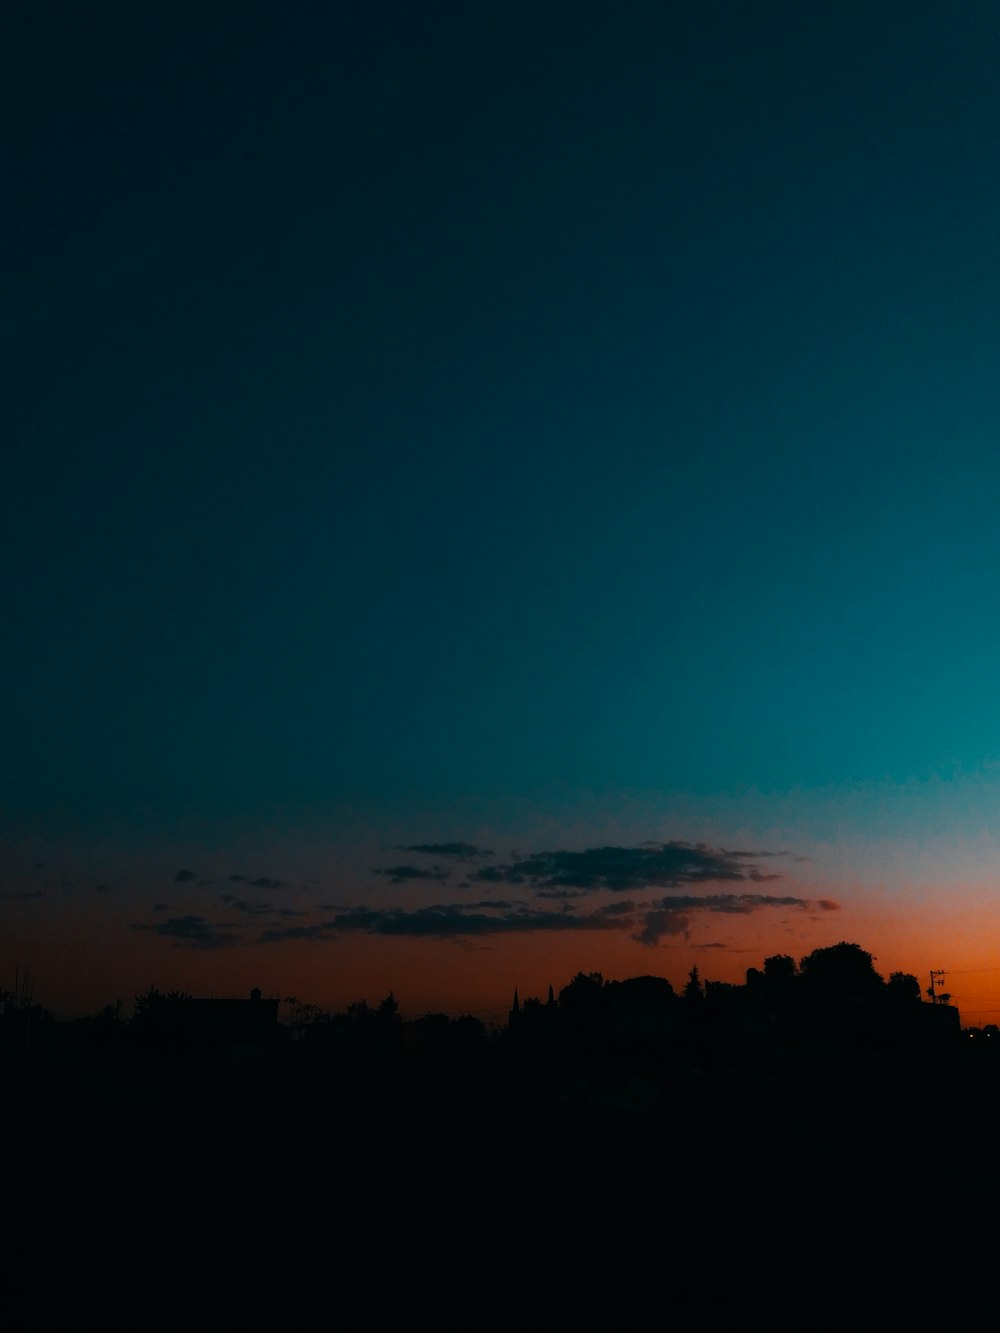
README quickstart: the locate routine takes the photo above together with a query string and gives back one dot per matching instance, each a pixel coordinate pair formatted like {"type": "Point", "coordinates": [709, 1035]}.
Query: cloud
{"type": "Point", "coordinates": [399, 874]}
{"type": "Point", "coordinates": [749, 856]}
{"type": "Point", "coordinates": [262, 882]}
{"type": "Point", "coordinates": [193, 932]}
{"type": "Point", "coordinates": [618, 909]}
{"type": "Point", "coordinates": [444, 921]}
{"type": "Point", "coordinates": [256, 909]}
{"type": "Point", "coordinates": [649, 923]}
{"type": "Point", "coordinates": [498, 875]}
{"type": "Point", "coordinates": [626, 869]}
{"type": "Point", "coordinates": [733, 904]}
{"type": "Point", "coordinates": [557, 878]}
{"type": "Point", "coordinates": [672, 916]}
{"type": "Point", "coordinates": [657, 924]}
{"type": "Point", "coordinates": [448, 922]}
{"type": "Point", "coordinates": [184, 877]}
{"type": "Point", "coordinates": [465, 851]}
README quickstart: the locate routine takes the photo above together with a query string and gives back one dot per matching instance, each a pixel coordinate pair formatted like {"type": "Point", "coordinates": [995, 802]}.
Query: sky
{"type": "Point", "coordinates": [493, 491]}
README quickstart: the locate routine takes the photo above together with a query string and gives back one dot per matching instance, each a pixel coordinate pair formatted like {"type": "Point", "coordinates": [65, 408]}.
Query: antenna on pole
{"type": "Point", "coordinates": [932, 989]}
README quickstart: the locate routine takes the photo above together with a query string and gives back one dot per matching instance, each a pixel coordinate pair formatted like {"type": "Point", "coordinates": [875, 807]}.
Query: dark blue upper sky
{"type": "Point", "coordinates": [460, 402]}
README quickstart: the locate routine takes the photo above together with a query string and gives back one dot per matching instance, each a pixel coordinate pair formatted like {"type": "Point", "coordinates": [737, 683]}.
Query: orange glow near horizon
{"type": "Point", "coordinates": [82, 960]}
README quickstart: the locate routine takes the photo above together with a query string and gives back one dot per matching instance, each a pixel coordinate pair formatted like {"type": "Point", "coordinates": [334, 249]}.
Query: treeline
{"type": "Point", "coordinates": [832, 1001]}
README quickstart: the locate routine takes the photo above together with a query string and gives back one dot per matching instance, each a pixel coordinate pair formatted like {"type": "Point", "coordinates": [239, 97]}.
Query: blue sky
{"type": "Point", "coordinates": [576, 422]}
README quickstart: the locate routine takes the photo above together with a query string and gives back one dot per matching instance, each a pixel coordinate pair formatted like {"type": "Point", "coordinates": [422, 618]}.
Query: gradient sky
{"type": "Point", "coordinates": [566, 431]}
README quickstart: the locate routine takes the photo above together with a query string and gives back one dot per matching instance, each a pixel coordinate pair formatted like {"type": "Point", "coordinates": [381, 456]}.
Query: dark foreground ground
{"type": "Point", "coordinates": [854, 1191]}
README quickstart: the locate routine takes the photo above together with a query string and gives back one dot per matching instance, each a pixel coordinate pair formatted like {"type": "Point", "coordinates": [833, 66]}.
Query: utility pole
{"type": "Point", "coordinates": [932, 992]}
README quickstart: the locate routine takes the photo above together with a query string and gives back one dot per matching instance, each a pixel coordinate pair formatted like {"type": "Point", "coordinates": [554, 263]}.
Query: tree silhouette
{"type": "Point", "coordinates": [303, 1015]}
{"type": "Point", "coordinates": [581, 1005]}
{"type": "Point", "coordinates": [844, 971]}
{"type": "Point", "coordinates": [844, 998]}
{"type": "Point", "coordinates": [779, 967]}
{"type": "Point", "coordinates": [23, 1022]}
{"type": "Point", "coordinates": [903, 988]}
{"type": "Point", "coordinates": [154, 1007]}
{"type": "Point", "coordinates": [360, 1013]}
{"type": "Point", "coordinates": [583, 994]}
{"type": "Point", "coordinates": [692, 987]}
{"type": "Point", "coordinates": [159, 1020]}
{"type": "Point", "coordinates": [694, 993]}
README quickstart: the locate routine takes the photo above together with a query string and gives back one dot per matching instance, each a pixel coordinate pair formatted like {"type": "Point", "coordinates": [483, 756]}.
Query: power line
{"type": "Point", "coordinates": [968, 971]}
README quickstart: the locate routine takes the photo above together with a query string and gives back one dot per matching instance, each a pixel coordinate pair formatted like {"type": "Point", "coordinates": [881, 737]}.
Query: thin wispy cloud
{"type": "Point", "coordinates": [464, 851]}
{"type": "Point", "coordinates": [445, 922]}
{"type": "Point", "coordinates": [554, 882]}
{"type": "Point", "coordinates": [627, 869]}
{"type": "Point", "coordinates": [400, 874]}
{"type": "Point", "coordinates": [666, 917]}
{"type": "Point", "coordinates": [248, 908]}
{"type": "Point", "coordinates": [672, 916]}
